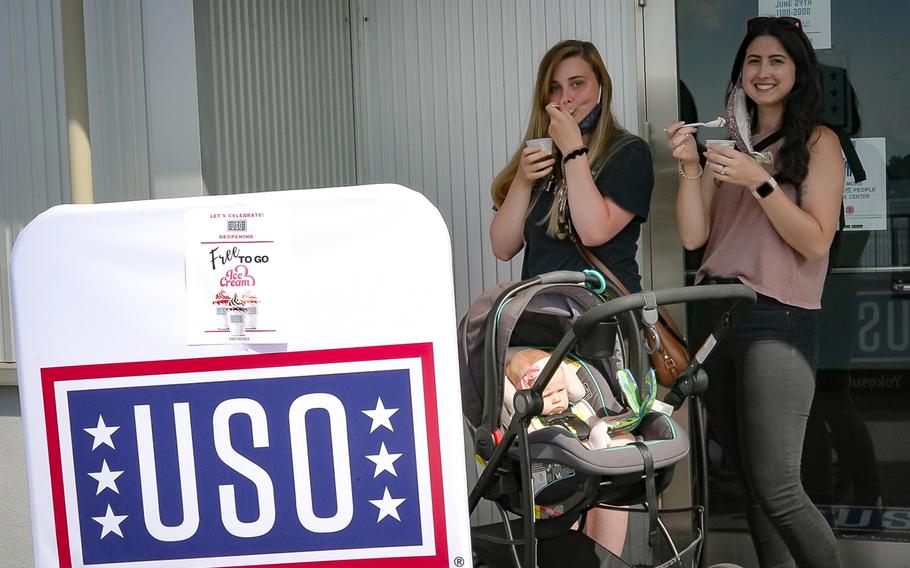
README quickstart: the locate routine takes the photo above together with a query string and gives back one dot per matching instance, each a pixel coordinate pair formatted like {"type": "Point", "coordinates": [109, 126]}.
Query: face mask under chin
{"type": "Point", "coordinates": [589, 122]}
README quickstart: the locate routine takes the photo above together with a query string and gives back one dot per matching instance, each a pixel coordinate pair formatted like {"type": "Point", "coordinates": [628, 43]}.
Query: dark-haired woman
{"type": "Point", "coordinates": [768, 223]}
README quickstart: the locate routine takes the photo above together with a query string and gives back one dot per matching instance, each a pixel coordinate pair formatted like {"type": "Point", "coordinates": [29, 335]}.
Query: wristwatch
{"type": "Point", "coordinates": [765, 189]}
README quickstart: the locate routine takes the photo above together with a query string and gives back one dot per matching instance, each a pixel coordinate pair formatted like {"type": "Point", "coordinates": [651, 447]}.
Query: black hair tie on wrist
{"type": "Point", "coordinates": [575, 153]}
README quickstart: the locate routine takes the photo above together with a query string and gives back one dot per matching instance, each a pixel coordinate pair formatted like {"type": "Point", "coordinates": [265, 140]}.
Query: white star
{"type": "Point", "coordinates": [384, 461]}
{"type": "Point", "coordinates": [102, 433]}
{"type": "Point", "coordinates": [388, 507]}
{"type": "Point", "coordinates": [110, 523]}
{"type": "Point", "coordinates": [381, 416]}
{"type": "Point", "coordinates": [106, 478]}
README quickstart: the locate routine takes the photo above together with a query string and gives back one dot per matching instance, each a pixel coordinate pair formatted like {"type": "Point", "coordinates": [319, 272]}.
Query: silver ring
{"type": "Point", "coordinates": [723, 170]}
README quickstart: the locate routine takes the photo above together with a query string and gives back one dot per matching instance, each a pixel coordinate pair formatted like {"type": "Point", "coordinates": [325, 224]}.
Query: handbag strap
{"type": "Point", "coordinates": [596, 263]}
{"type": "Point", "coordinates": [768, 140]}
{"type": "Point", "coordinates": [856, 166]}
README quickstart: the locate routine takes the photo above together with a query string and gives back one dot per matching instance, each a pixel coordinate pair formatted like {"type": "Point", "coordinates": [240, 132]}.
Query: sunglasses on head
{"type": "Point", "coordinates": [786, 21]}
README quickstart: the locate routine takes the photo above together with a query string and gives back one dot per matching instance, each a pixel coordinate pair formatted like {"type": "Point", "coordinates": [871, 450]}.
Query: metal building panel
{"type": "Point", "coordinates": [118, 118]}
{"type": "Point", "coordinates": [275, 94]}
{"type": "Point", "coordinates": [34, 166]}
{"type": "Point", "coordinates": [442, 93]}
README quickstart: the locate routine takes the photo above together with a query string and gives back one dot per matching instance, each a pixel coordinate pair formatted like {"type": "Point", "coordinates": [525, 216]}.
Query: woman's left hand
{"type": "Point", "coordinates": [728, 164]}
{"type": "Point", "coordinates": [563, 129]}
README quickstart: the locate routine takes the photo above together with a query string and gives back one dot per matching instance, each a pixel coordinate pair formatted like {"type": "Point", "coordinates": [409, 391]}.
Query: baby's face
{"type": "Point", "coordinates": [555, 396]}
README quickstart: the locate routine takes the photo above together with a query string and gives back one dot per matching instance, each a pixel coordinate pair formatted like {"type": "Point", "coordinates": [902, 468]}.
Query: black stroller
{"type": "Point", "coordinates": [547, 479]}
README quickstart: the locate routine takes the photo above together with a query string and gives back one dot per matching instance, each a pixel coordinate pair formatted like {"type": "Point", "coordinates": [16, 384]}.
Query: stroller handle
{"type": "Point", "coordinates": [567, 277]}
{"type": "Point", "coordinates": [687, 294]}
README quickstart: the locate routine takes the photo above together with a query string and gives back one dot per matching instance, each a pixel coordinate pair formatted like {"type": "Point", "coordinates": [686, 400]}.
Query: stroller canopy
{"type": "Point", "coordinates": [546, 312]}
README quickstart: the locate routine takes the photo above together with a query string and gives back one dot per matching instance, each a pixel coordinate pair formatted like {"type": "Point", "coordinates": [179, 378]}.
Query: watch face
{"type": "Point", "coordinates": [764, 190]}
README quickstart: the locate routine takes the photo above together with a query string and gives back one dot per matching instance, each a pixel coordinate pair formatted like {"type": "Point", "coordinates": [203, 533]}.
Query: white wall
{"type": "Point", "coordinates": [117, 105]}
{"type": "Point", "coordinates": [33, 176]}
{"type": "Point", "coordinates": [33, 152]}
{"type": "Point", "coordinates": [175, 164]}
{"type": "Point", "coordinates": [275, 94]}
{"type": "Point", "coordinates": [442, 92]}
{"type": "Point", "coordinates": [142, 95]}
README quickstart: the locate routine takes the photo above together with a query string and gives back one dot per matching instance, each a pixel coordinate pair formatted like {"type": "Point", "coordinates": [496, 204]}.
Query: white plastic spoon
{"type": "Point", "coordinates": [718, 122]}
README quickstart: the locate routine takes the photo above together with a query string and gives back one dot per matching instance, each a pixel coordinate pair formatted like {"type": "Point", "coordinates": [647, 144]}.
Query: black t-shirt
{"type": "Point", "coordinates": [627, 179]}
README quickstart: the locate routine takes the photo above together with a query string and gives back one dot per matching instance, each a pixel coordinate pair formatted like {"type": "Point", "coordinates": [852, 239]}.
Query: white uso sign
{"type": "Point", "coordinates": [332, 433]}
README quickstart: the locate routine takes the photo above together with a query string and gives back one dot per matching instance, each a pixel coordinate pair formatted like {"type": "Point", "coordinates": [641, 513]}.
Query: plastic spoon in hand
{"type": "Point", "coordinates": [718, 122]}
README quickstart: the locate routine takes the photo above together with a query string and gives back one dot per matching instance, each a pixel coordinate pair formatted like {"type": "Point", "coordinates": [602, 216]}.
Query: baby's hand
{"type": "Point", "coordinates": [599, 437]}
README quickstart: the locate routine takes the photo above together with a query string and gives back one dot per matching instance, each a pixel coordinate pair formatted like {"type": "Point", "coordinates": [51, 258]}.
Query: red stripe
{"type": "Point", "coordinates": [53, 458]}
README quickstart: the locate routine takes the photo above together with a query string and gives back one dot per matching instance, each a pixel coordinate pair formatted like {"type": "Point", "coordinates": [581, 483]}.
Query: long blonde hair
{"type": "Point", "coordinates": [606, 138]}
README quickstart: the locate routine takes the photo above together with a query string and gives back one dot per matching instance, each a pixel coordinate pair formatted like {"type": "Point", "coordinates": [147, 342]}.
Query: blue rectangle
{"type": "Point", "coordinates": [370, 525]}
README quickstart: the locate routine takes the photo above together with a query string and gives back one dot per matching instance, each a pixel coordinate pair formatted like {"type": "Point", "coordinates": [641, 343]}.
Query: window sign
{"type": "Point", "coordinates": [865, 207]}
{"type": "Point", "coordinates": [815, 16]}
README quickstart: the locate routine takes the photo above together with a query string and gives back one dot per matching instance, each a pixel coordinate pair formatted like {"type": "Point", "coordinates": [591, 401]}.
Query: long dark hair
{"type": "Point", "coordinates": [803, 105]}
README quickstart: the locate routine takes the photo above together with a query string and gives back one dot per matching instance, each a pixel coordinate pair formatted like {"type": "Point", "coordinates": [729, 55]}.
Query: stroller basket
{"type": "Point", "coordinates": [574, 549]}
{"type": "Point", "coordinates": [548, 478]}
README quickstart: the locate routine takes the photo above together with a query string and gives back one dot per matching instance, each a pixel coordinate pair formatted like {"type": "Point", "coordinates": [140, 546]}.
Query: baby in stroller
{"type": "Point", "coordinates": [547, 478]}
{"type": "Point", "coordinates": [564, 407]}
{"type": "Point", "coordinates": [561, 408]}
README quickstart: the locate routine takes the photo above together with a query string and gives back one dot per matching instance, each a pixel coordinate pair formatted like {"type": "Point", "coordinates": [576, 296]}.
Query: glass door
{"type": "Point", "coordinates": [857, 451]}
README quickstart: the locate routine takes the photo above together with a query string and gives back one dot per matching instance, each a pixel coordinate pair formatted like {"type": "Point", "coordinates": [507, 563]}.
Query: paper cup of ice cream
{"type": "Point", "coordinates": [544, 143]}
{"type": "Point", "coordinates": [236, 317]}
{"type": "Point", "coordinates": [727, 143]}
{"type": "Point", "coordinates": [251, 303]}
{"type": "Point", "coordinates": [221, 302]}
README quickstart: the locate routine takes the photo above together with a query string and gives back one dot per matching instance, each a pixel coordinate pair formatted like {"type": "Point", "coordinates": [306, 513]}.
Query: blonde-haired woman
{"type": "Point", "coordinates": [595, 188]}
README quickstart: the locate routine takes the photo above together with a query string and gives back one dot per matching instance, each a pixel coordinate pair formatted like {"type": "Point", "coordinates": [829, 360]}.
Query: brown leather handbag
{"type": "Point", "coordinates": [663, 340]}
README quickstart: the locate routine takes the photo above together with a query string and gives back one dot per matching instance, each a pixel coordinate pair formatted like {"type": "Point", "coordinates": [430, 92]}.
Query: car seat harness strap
{"type": "Point", "coordinates": [650, 491]}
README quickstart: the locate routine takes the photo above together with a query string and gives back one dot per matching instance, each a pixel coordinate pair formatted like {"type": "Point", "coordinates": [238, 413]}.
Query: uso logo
{"type": "Point", "coordinates": [256, 460]}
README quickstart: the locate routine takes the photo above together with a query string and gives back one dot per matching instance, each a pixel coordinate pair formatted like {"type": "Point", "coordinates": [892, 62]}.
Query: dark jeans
{"type": "Point", "coordinates": [762, 379]}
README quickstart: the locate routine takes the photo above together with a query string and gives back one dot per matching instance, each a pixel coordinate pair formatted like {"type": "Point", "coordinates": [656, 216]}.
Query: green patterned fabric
{"type": "Point", "coordinates": [638, 407]}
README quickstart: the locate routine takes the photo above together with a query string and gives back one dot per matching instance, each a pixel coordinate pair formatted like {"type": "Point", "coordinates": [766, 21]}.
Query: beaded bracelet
{"type": "Point", "coordinates": [575, 153]}
{"type": "Point", "coordinates": [683, 174]}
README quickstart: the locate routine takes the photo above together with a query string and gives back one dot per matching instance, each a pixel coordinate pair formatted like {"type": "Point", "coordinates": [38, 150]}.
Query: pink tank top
{"type": "Point", "coordinates": [744, 244]}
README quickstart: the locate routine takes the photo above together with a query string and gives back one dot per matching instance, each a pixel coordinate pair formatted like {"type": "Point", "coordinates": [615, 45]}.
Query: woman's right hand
{"type": "Point", "coordinates": [682, 143]}
{"type": "Point", "coordinates": [535, 163]}
{"type": "Point", "coordinates": [693, 203]}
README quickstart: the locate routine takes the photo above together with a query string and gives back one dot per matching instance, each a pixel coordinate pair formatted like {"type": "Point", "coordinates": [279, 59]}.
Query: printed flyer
{"type": "Point", "coordinates": [865, 203]}
{"type": "Point", "coordinates": [235, 269]}
{"type": "Point", "coordinates": [814, 16]}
